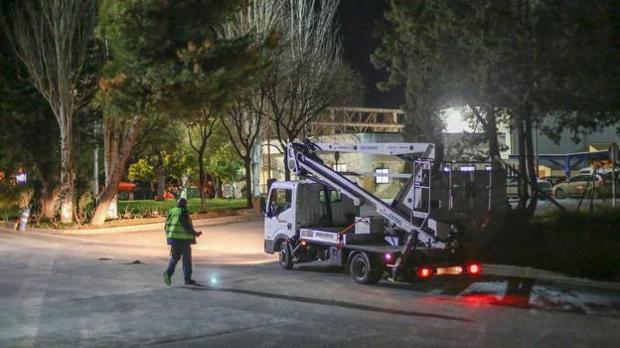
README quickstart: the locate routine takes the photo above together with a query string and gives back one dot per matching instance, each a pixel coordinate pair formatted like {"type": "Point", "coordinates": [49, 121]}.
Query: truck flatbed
{"type": "Point", "coordinates": [376, 248]}
{"type": "Point", "coordinates": [331, 236]}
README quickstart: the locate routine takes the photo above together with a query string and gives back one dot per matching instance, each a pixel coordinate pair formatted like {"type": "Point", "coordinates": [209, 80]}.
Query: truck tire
{"type": "Point", "coordinates": [364, 270]}
{"type": "Point", "coordinates": [286, 257]}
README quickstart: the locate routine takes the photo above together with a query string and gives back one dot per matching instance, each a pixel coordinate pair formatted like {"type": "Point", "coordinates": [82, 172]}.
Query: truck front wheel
{"type": "Point", "coordinates": [286, 257]}
{"type": "Point", "coordinates": [364, 270]}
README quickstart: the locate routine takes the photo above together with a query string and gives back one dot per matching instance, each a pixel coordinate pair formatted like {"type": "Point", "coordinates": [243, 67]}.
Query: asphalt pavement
{"type": "Point", "coordinates": [107, 290]}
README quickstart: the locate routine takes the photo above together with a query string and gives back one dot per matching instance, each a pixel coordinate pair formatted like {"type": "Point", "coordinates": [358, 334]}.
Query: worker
{"type": "Point", "coordinates": [180, 235]}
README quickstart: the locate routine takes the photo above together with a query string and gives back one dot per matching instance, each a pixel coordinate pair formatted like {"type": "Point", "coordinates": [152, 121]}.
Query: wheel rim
{"type": "Point", "coordinates": [359, 269]}
{"type": "Point", "coordinates": [559, 194]}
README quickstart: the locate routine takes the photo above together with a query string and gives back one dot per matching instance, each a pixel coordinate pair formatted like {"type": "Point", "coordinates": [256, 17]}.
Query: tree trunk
{"type": "Point", "coordinates": [67, 177]}
{"type": "Point", "coordinates": [113, 130]}
{"type": "Point", "coordinates": [217, 184]}
{"type": "Point", "coordinates": [49, 200]}
{"type": "Point", "coordinates": [161, 182]}
{"type": "Point", "coordinates": [248, 181]}
{"type": "Point", "coordinates": [532, 171]}
{"type": "Point", "coordinates": [496, 215]}
{"type": "Point", "coordinates": [523, 192]}
{"type": "Point", "coordinates": [202, 184]}
{"type": "Point", "coordinates": [116, 173]}
{"type": "Point", "coordinates": [494, 153]}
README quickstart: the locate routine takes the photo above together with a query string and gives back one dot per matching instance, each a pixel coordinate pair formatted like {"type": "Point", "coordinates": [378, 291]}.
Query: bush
{"type": "Point", "coordinates": [578, 244]}
{"type": "Point", "coordinates": [11, 198]}
{"type": "Point", "coordinates": [149, 208]}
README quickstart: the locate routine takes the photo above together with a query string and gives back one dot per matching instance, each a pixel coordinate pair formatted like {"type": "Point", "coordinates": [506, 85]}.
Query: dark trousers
{"type": "Point", "coordinates": [181, 248]}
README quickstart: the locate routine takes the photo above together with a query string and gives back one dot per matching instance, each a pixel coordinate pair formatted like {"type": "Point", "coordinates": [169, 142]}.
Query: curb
{"type": "Point", "coordinates": [159, 226]}
{"type": "Point", "coordinates": [546, 276]}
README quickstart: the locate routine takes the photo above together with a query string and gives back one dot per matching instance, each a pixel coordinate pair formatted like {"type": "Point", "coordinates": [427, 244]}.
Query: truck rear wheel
{"type": "Point", "coordinates": [364, 270]}
{"type": "Point", "coordinates": [286, 257]}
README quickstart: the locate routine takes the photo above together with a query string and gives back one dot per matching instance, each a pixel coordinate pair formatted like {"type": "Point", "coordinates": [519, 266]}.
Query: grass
{"type": "Point", "coordinates": [9, 213]}
{"type": "Point", "coordinates": [574, 243]}
{"type": "Point", "coordinates": [161, 207]}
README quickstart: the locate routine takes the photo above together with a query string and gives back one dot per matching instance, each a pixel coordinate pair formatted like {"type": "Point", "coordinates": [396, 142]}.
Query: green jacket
{"type": "Point", "coordinates": [178, 225]}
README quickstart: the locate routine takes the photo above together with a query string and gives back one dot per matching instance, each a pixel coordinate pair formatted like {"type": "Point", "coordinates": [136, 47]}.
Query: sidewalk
{"type": "Point", "coordinates": [546, 276]}
{"type": "Point", "coordinates": [137, 228]}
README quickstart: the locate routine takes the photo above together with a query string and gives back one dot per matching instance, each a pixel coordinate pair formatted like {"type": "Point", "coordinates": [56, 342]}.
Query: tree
{"type": "Point", "coordinates": [52, 39]}
{"type": "Point", "coordinates": [244, 120]}
{"type": "Point", "coordinates": [504, 61]}
{"type": "Point", "coordinates": [164, 56]}
{"type": "Point", "coordinates": [163, 167]}
{"type": "Point", "coordinates": [162, 144]}
{"type": "Point", "coordinates": [202, 129]}
{"type": "Point", "coordinates": [413, 50]}
{"type": "Point", "coordinates": [244, 127]}
{"type": "Point", "coordinates": [582, 54]}
{"type": "Point", "coordinates": [28, 133]}
{"type": "Point", "coordinates": [142, 170]}
{"type": "Point", "coordinates": [307, 75]}
{"type": "Point", "coordinates": [224, 165]}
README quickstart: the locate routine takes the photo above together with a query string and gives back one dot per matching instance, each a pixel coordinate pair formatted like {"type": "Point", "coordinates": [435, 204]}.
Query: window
{"type": "Point", "coordinates": [581, 178]}
{"type": "Point", "coordinates": [382, 176]}
{"type": "Point", "coordinates": [279, 201]}
{"type": "Point", "coordinates": [575, 178]}
{"type": "Point", "coordinates": [334, 196]}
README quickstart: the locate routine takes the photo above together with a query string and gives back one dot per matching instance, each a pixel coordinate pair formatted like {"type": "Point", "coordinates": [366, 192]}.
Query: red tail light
{"type": "Point", "coordinates": [474, 268]}
{"type": "Point", "coordinates": [424, 272]}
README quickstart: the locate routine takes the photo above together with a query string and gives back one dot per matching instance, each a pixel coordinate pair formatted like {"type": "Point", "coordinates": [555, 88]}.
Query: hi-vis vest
{"type": "Point", "coordinates": [174, 227]}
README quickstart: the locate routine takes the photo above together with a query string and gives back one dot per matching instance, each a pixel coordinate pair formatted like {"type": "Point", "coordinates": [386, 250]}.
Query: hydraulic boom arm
{"type": "Point", "coordinates": [302, 160]}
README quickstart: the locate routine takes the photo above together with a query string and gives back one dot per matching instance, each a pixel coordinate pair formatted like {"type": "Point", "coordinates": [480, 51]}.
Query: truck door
{"type": "Point", "coordinates": [279, 215]}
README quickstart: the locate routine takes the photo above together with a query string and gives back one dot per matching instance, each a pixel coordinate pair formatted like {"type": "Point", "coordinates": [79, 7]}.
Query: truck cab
{"type": "Point", "coordinates": [293, 205]}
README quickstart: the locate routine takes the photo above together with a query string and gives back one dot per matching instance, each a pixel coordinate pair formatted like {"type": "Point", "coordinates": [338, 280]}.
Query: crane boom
{"type": "Point", "coordinates": [302, 160]}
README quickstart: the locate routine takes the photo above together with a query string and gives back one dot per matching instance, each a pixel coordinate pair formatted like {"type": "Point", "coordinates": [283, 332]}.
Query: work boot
{"type": "Point", "coordinates": [167, 278]}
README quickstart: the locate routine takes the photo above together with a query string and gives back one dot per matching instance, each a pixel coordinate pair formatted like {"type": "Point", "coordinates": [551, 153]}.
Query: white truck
{"type": "Point", "coordinates": [326, 216]}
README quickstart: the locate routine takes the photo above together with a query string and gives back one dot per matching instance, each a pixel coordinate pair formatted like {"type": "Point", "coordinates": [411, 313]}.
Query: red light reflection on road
{"type": "Point", "coordinates": [482, 300]}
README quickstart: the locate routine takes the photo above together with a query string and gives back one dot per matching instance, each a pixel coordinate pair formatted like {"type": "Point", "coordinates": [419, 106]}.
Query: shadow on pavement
{"type": "Point", "coordinates": [342, 304]}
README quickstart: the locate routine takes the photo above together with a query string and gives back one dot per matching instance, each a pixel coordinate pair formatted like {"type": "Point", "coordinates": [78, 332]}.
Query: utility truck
{"type": "Point", "coordinates": [327, 216]}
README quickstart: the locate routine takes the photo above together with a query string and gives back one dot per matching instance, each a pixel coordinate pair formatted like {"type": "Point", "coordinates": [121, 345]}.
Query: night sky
{"type": "Point", "coordinates": [358, 19]}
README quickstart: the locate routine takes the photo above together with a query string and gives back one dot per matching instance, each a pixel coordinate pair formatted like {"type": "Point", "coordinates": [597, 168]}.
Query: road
{"type": "Point", "coordinates": [107, 290]}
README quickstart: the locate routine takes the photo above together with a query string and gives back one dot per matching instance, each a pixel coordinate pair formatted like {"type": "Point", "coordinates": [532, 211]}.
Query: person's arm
{"type": "Point", "coordinates": [167, 223]}
{"type": "Point", "coordinates": [185, 220]}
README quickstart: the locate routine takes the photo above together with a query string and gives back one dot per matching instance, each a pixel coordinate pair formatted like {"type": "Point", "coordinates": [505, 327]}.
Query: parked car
{"type": "Point", "coordinates": [590, 170]}
{"type": "Point", "coordinates": [554, 179]}
{"type": "Point", "coordinates": [575, 186]}
{"type": "Point", "coordinates": [512, 188]}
